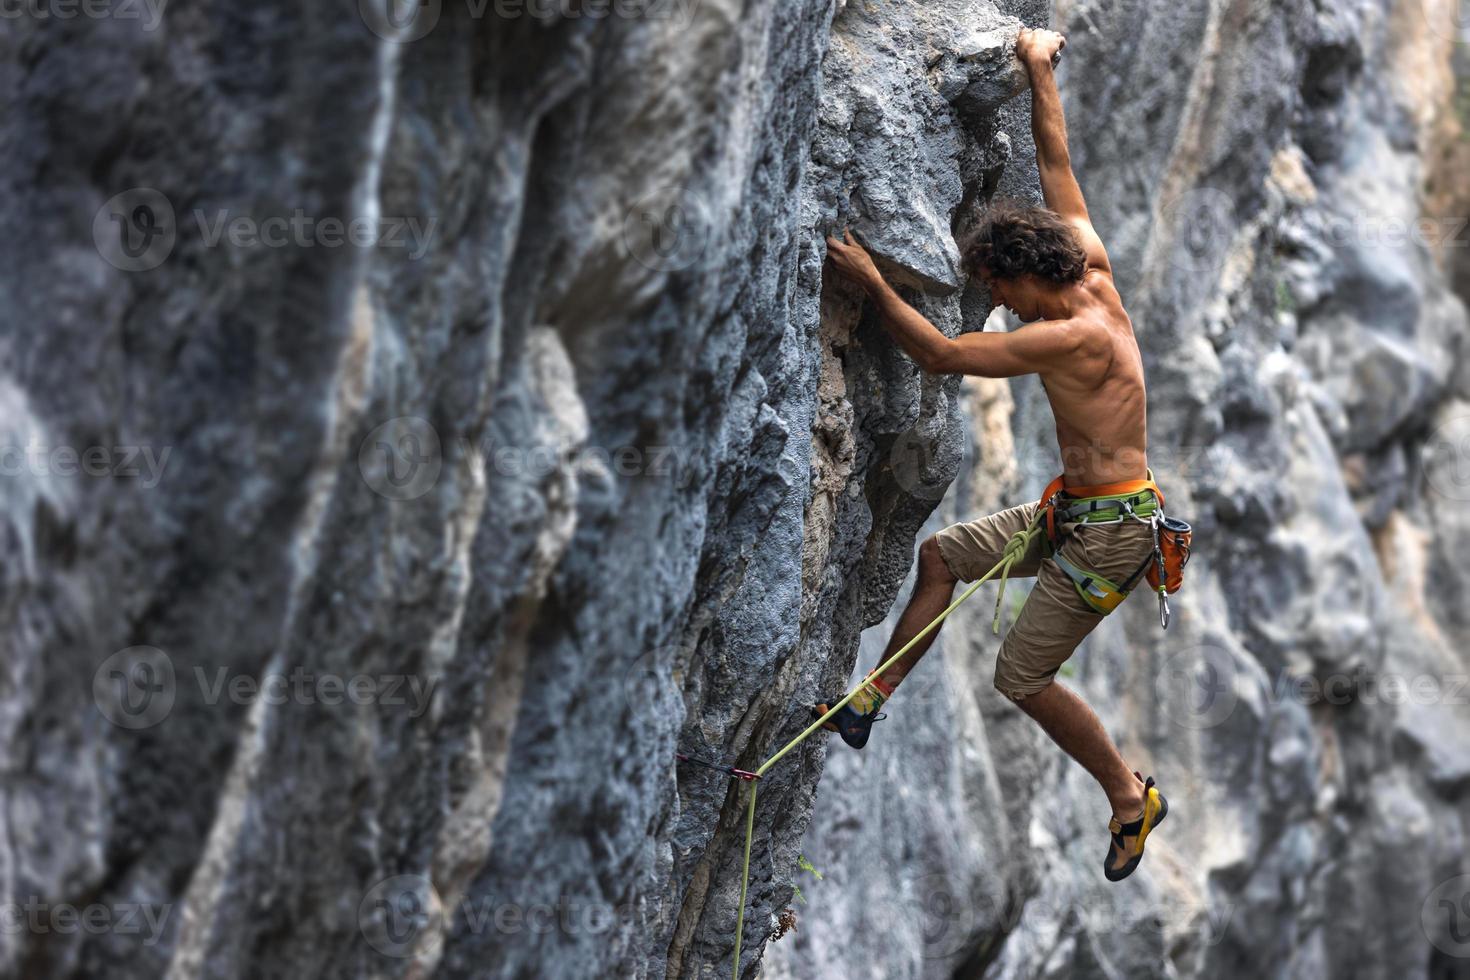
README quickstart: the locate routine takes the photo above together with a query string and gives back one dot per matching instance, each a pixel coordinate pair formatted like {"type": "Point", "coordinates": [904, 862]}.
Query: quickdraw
{"type": "Point", "coordinates": [717, 767]}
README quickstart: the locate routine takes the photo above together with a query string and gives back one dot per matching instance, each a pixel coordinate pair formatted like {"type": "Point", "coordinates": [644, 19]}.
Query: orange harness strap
{"type": "Point", "coordinates": [1048, 496]}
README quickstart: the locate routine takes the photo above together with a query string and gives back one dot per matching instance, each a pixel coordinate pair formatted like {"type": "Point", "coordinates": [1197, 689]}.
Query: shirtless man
{"type": "Point", "coordinates": [1048, 266]}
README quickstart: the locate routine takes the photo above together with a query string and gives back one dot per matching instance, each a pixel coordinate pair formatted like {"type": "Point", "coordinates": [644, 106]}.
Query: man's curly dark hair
{"type": "Point", "coordinates": [1014, 239]}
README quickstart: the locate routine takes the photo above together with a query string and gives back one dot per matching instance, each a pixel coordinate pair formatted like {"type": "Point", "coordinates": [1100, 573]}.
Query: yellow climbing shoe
{"type": "Point", "coordinates": [1126, 849]}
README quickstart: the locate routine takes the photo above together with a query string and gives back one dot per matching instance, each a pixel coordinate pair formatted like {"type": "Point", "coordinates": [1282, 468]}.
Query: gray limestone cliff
{"type": "Point", "coordinates": [1281, 187]}
{"type": "Point", "coordinates": [420, 425]}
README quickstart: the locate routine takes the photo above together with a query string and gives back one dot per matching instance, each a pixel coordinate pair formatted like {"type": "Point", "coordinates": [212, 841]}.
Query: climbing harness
{"type": "Point", "coordinates": [1113, 503]}
{"type": "Point", "coordinates": [1135, 499]}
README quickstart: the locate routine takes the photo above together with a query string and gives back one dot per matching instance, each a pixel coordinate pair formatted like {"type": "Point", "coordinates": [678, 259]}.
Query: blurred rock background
{"type": "Point", "coordinates": [362, 589]}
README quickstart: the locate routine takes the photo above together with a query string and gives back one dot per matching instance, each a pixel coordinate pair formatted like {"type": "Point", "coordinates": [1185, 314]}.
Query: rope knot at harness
{"type": "Point", "coordinates": [1014, 550]}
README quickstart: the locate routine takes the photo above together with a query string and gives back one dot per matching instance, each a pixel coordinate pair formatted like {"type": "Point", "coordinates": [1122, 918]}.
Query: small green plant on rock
{"type": "Point", "coordinates": [804, 865]}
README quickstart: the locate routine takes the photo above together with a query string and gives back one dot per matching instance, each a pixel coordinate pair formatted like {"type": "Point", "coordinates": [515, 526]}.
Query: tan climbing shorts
{"type": "Point", "coordinates": [1055, 618]}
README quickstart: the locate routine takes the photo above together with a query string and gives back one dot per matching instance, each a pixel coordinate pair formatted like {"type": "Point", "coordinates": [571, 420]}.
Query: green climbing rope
{"type": "Point", "coordinates": [1015, 548]}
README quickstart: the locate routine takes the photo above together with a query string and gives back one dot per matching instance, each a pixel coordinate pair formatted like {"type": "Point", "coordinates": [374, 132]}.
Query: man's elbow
{"type": "Point", "coordinates": [941, 360]}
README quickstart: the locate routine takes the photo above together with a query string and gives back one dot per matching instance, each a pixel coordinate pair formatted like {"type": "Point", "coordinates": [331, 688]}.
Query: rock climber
{"type": "Point", "coordinates": [1048, 266]}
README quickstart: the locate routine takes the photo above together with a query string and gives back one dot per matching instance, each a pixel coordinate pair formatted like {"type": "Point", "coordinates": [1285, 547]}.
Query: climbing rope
{"type": "Point", "coordinates": [1015, 548]}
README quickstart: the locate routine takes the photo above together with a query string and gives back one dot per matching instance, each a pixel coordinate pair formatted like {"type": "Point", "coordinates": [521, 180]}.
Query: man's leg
{"type": "Point", "coordinates": [1053, 622]}
{"type": "Point", "coordinates": [1076, 728]}
{"type": "Point", "coordinates": [959, 553]}
{"type": "Point", "coordinates": [933, 592]}
{"type": "Point", "coordinates": [974, 548]}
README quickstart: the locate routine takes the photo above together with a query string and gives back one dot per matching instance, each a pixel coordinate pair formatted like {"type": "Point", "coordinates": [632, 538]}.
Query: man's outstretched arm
{"type": "Point", "coordinates": [919, 338]}
{"type": "Point", "coordinates": [990, 355]}
{"type": "Point", "coordinates": [1038, 50]}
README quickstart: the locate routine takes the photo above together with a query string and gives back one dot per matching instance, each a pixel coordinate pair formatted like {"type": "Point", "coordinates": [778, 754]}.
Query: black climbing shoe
{"type": "Point", "coordinates": [853, 727]}
{"type": "Point", "coordinates": [1126, 849]}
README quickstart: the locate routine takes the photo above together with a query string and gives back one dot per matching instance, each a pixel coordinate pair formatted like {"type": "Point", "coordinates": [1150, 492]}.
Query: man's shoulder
{"type": "Point", "coordinates": [1107, 305]}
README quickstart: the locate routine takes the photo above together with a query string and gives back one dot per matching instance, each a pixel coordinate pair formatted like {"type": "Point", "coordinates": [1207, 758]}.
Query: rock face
{"type": "Point", "coordinates": [361, 593]}
{"type": "Point", "coordinates": [1276, 189]}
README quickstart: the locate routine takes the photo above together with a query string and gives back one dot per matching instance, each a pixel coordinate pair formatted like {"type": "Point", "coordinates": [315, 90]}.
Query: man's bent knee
{"type": "Point", "coordinates": [932, 564]}
{"type": "Point", "coordinates": [1020, 685]}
